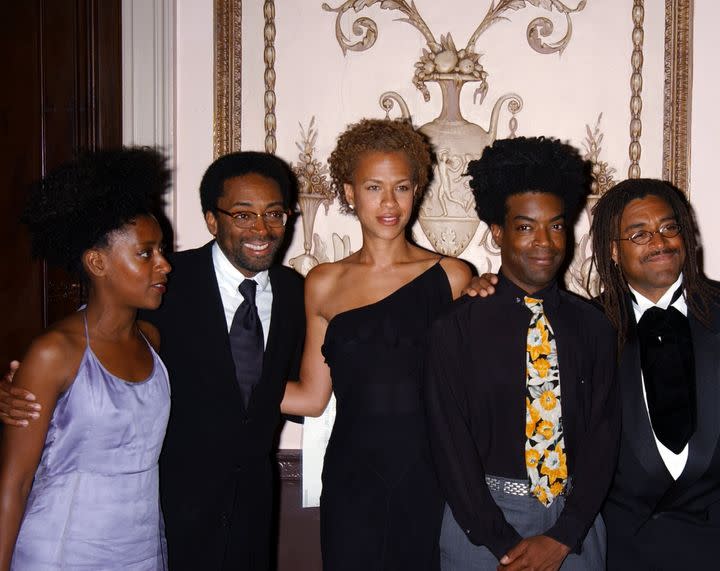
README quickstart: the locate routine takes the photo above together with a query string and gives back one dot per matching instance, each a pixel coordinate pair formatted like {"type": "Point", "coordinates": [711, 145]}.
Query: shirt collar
{"type": "Point", "coordinates": [232, 277]}
{"type": "Point", "coordinates": [507, 290]}
{"type": "Point", "coordinates": [641, 304]}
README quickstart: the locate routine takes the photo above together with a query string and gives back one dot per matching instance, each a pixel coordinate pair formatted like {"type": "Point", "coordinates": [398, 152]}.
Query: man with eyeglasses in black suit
{"type": "Point", "coordinates": [663, 509]}
{"type": "Point", "coordinates": [232, 326]}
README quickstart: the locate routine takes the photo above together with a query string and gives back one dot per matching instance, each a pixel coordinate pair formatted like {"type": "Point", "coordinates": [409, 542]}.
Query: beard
{"type": "Point", "coordinates": [241, 259]}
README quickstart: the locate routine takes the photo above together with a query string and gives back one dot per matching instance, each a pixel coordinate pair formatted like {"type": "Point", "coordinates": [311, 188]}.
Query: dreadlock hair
{"type": "Point", "coordinates": [605, 228]}
{"type": "Point", "coordinates": [381, 135]}
{"type": "Point", "coordinates": [77, 206]}
{"type": "Point", "coordinates": [535, 164]}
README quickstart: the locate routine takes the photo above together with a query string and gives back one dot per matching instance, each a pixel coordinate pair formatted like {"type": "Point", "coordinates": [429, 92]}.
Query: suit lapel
{"type": "Point", "coordinates": [636, 422]}
{"type": "Point", "coordinates": [703, 443]}
{"type": "Point", "coordinates": [211, 315]}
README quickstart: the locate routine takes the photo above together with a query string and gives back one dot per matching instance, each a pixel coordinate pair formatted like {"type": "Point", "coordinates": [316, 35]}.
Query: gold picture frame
{"type": "Point", "coordinates": [228, 84]}
{"type": "Point", "coordinates": [677, 96]}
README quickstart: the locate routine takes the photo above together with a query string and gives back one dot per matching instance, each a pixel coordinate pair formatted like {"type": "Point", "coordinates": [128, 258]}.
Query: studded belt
{"type": "Point", "coordinates": [516, 487]}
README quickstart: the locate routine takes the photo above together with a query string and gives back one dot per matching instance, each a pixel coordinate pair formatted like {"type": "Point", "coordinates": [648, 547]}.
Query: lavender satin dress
{"type": "Point", "coordinates": [94, 503]}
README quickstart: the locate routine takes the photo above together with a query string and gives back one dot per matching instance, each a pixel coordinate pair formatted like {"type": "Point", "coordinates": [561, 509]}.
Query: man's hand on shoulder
{"type": "Point", "coordinates": [483, 285]}
{"type": "Point", "coordinates": [17, 406]}
{"type": "Point", "coordinates": [540, 553]}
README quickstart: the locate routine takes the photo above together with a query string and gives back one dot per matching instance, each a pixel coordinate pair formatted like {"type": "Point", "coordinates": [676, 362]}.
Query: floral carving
{"type": "Point", "coordinates": [602, 173]}
{"type": "Point", "coordinates": [314, 190]}
{"type": "Point", "coordinates": [310, 172]}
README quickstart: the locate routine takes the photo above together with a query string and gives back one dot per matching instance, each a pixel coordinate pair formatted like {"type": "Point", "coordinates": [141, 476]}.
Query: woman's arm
{"type": "Point", "coordinates": [44, 372]}
{"type": "Point", "coordinates": [309, 396]}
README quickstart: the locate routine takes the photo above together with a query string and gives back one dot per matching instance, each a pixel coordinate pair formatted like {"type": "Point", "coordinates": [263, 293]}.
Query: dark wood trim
{"type": "Point", "coordinates": [62, 96]}
{"type": "Point", "coordinates": [298, 528]}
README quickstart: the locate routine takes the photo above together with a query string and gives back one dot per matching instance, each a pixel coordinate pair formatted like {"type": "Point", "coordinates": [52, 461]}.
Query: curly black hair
{"type": "Point", "coordinates": [76, 206]}
{"type": "Point", "coordinates": [701, 295]}
{"type": "Point", "coordinates": [383, 135]}
{"type": "Point", "coordinates": [533, 164]}
{"type": "Point", "coordinates": [242, 163]}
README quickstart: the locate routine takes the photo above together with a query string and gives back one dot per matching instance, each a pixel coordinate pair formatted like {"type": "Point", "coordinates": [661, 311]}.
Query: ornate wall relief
{"type": "Point", "coordinates": [314, 191]}
{"type": "Point", "coordinates": [447, 215]}
{"type": "Point", "coordinates": [447, 220]}
{"type": "Point", "coordinates": [636, 60]}
{"type": "Point", "coordinates": [269, 58]}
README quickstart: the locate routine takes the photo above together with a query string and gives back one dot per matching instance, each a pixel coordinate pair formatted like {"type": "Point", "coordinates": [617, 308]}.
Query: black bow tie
{"type": "Point", "coordinates": [668, 365]}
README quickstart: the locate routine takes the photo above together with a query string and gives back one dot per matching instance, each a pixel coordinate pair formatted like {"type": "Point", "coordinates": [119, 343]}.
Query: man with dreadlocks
{"type": "Point", "coordinates": [663, 510]}
{"type": "Point", "coordinates": [520, 391]}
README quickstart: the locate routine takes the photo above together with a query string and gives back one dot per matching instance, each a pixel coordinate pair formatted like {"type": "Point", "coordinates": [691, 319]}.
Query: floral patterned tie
{"type": "Point", "coordinates": [545, 446]}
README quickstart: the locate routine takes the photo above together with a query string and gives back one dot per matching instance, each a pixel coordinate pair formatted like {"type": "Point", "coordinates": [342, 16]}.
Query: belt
{"type": "Point", "coordinates": [517, 487]}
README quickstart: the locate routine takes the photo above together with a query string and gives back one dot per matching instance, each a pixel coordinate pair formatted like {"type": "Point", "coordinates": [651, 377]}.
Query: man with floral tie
{"type": "Point", "coordinates": [520, 390]}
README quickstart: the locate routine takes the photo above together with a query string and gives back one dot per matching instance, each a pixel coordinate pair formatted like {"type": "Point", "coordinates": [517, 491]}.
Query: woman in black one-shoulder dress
{"type": "Point", "coordinates": [368, 315]}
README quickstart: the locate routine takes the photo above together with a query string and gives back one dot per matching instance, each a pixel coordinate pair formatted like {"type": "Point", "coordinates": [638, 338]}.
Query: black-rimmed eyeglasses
{"type": "Point", "coordinates": [643, 237]}
{"type": "Point", "coordinates": [247, 218]}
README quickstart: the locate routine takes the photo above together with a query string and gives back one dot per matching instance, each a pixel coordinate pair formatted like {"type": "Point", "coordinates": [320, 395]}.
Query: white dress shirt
{"type": "Point", "coordinates": [675, 463]}
{"type": "Point", "coordinates": [229, 279]}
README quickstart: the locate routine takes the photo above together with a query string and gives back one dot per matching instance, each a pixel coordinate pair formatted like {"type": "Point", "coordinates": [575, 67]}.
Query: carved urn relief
{"type": "Point", "coordinates": [447, 215]}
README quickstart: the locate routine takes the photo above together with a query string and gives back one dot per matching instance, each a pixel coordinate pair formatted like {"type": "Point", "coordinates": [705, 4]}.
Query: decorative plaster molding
{"type": "Point", "coordinates": [314, 190]}
{"type": "Point", "coordinates": [678, 82]}
{"type": "Point", "coordinates": [442, 60]}
{"type": "Point", "coordinates": [602, 172]}
{"type": "Point", "coordinates": [636, 60]}
{"type": "Point", "coordinates": [148, 90]}
{"type": "Point", "coordinates": [228, 79]}
{"type": "Point", "coordinates": [269, 58]}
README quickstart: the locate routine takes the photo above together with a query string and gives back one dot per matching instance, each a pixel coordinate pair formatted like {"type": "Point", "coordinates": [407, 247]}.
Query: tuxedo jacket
{"type": "Point", "coordinates": [216, 476]}
{"type": "Point", "coordinates": [653, 521]}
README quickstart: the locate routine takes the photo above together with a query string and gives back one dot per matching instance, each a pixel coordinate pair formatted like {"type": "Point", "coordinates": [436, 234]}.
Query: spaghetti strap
{"type": "Point", "coordinates": [145, 338]}
{"type": "Point", "coordinates": [87, 335]}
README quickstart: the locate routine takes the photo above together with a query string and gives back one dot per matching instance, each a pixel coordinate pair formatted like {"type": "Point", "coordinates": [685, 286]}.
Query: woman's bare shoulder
{"type": "Point", "coordinates": [458, 272]}
{"type": "Point", "coordinates": [55, 355]}
{"type": "Point", "coordinates": [326, 275]}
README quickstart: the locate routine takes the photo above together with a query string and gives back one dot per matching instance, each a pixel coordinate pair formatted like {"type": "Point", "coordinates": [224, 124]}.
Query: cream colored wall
{"type": "Point", "coordinates": [704, 187]}
{"type": "Point", "coordinates": [562, 93]}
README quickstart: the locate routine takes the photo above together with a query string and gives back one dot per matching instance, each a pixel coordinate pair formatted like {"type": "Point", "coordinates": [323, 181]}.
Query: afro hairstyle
{"type": "Point", "coordinates": [535, 164]}
{"type": "Point", "coordinates": [76, 206]}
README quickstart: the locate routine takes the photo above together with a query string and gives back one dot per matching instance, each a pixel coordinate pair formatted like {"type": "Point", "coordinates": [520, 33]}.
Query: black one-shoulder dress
{"type": "Point", "coordinates": [381, 508]}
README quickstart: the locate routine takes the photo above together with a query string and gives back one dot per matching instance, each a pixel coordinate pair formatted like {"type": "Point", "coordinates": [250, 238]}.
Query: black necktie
{"type": "Point", "coordinates": [246, 341]}
{"type": "Point", "coordinates": [668, 366]}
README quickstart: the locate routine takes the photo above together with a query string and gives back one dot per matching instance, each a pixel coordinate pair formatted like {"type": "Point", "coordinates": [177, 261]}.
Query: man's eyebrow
{"type": "Point", "coordinates": [638, 225]}
{"type": "Point", "coordinates": [531, 219]}
{"type": "Point", "coordinates": [250, 204]}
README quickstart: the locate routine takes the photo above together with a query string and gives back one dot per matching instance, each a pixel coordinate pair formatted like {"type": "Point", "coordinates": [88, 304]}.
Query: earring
{"type": "Point", "coordinates": [351, 206]}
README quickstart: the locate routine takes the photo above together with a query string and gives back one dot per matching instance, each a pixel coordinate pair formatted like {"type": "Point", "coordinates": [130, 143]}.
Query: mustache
{"type": "Point", "coordinates": [663, 251]}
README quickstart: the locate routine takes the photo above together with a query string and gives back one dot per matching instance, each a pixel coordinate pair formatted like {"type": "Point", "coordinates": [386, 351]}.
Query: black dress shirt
{"type": "Point", "coordinates": [475, 400]}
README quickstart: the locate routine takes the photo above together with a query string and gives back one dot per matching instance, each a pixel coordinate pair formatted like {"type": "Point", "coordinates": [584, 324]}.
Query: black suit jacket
{"type": "Point", "coordinates": [216, 478]}
{"type": "Point", "coordinates": [653, 521]}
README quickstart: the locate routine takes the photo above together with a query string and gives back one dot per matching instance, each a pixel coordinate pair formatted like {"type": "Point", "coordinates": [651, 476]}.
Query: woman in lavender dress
{"type": "Point", "coordinates": [79, 487]}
